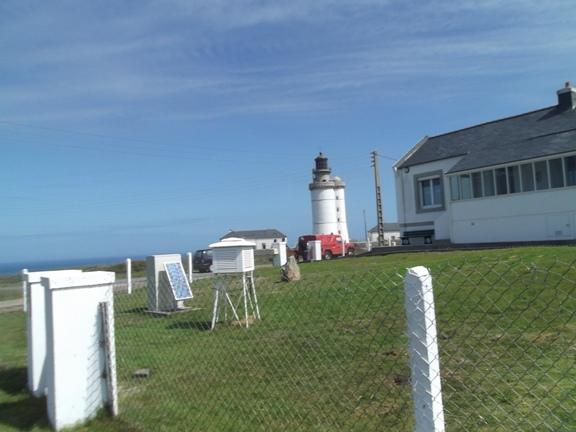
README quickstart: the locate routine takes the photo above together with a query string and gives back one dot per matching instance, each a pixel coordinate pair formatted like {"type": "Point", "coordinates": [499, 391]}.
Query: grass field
{"type": "Point", "coordinates": [10, 287]}
{"type": "Point", "coordinates": [331, 353]}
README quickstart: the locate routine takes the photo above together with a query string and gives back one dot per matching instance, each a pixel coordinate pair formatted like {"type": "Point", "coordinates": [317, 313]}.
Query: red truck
{"type": "Point", "coordinates": [331, 246]}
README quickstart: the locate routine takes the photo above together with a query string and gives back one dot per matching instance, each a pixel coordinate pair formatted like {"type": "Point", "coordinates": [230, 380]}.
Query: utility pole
{"type": "Point", "coordinates": [379, 214]}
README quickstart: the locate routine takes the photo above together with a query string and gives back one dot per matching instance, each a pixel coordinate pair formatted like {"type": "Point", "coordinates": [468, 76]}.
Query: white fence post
{"type": "Point", "coordinates": [423, 347]}
{"type": "Point", "coordinates": [129, 275]}
{"type": "Point", "coordinates": [190, 276]}
{"type": "Point", "coordinates": [24, 291]}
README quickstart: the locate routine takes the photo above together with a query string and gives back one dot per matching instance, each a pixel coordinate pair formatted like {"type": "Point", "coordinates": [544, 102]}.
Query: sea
{"type": "Point", "coordinates": [16, 267]}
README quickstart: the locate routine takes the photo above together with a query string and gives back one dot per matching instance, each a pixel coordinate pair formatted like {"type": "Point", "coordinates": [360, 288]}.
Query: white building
{"type": "Point", "coordinates": [328, 201]}
{"type": "Point", "coordinates": [264, 238]}
{"type": "Point", "coordinates": [391, 234]}
{"type": "Point", "coordinates": [512, 179]}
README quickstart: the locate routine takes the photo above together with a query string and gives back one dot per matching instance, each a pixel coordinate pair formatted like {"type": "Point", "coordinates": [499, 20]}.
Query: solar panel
{"type": "Point", "coordinates": [178, 280]}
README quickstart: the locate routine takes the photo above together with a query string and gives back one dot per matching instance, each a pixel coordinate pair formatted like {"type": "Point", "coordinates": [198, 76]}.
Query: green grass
{"type": "Point", "coordinates": [10, 287]}
{"type": "Point", "coordinates": [330, 352]}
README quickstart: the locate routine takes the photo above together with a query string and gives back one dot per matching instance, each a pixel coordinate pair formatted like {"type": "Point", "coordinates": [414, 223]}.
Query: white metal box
{"type": "Point", "coordinates": [280, 254]}
{"type": "Point", "coordinates": [36, 328]}
{"type": "Point", "coordinates": [232, 255]}
{"type": "Point", "coordinates": [77, 387]}
{"type": "Point", "coordinates": [314, 250]}
{"type": "Point", "coordinates": [160, 296]}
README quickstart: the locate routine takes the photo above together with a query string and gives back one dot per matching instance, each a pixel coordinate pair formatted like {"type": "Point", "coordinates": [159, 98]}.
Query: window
{"type": "Point", "coordinates": [477, 185]}
{"type": "Point", "coordinates": [263, 245]}
{"type": "Point", "coordinates": [570, 164]}
{"type": "Point", "coordinates": [541, 172]}
{"type": "Point", "coordinates": [465, 186]}
{"type": "Point", "coordinates": [454, 188]}
{"type": "Point", "coordinates": [556, 173]}
{"type": "Point", "coordinates": [513, 179]}
{"type": "Point", "coordinates": [437, 191]}
{"type": "Point", "coordinates": [501, 184]}
{"type": "Point", "coordinates": [527, 177]}
{"type": "Point", "coordinates": [488, 183]}
{"type": "Point", "coordinates": [430, 191]}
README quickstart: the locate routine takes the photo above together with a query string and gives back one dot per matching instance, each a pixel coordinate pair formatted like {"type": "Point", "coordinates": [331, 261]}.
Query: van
{"type": "Point", "coordinates": [202, 260]}
{"type": "Point", "coordinates": [331, 246]}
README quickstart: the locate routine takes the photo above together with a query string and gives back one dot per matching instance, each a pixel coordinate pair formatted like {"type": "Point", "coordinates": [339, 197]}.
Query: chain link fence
{"type": "Point", "coordinates": [331, 352]}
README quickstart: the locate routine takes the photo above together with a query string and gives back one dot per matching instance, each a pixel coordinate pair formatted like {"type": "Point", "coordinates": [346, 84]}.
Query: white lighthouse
{"type": "Point", "coordinates": [328, 203]}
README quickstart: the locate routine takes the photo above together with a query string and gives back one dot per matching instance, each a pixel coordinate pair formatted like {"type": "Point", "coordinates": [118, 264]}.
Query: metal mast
{"type": "Point", "coordinates": [379, 215]}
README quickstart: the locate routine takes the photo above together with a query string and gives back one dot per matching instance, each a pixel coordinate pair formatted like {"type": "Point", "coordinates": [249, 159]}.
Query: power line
{"type": "Point", "coordinates": [147, 150]}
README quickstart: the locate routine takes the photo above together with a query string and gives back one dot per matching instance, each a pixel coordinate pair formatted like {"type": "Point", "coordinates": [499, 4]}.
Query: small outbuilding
{"type": "Point", "coordinates": [264, 239]}
{"type": "Point", "coordinates": [391, 234]}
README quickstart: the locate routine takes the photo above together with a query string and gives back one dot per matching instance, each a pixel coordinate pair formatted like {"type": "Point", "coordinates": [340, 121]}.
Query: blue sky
{"type": "Point", "coordinates": [136, 127]}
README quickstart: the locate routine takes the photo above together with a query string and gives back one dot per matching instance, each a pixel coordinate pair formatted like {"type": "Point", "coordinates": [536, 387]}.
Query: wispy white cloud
{"type": "Point", "coordinates": [204, 59]}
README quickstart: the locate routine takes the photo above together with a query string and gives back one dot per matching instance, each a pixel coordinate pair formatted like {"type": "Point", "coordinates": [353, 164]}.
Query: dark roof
{"type": "Point", "coordinates": [255, 234]}
{"type": "Point", "coordinates": [544, 132]}
{"type": "Point", "coordinates": [388, 226]}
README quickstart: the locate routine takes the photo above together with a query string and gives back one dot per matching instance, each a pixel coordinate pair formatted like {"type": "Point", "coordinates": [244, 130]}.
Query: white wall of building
{"type": "Point", "coordinates": [391, 238]}
{"type": "Point", "coordinates": [408, 216]}
{"type": "Point", "coordinates": [266, 243]}
{"type": "Point", "coordinates": [531, 216]}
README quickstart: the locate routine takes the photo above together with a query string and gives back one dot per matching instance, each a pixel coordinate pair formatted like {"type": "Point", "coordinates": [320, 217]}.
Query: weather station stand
{"type": "Point", "coordinates": [233, 261]}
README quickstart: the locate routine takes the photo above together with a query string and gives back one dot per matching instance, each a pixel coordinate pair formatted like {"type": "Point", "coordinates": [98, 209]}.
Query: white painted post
{"type": "Point", "coordinates": [343, 246]}
{"type": "Point", "coordinates": [129, 275]}
{"type": "Point", "coordinates": [24, 293]}
{"type": "Point", "coordinates": [76, 354]}
{"type": "Point", "coordinates": [423, 347]}
{"type": "Point", "coordinates": [190, 269]}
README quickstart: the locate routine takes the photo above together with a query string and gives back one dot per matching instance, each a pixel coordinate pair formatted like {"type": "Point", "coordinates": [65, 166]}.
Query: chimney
{"type": "Point", "coordinates": [566, 97]}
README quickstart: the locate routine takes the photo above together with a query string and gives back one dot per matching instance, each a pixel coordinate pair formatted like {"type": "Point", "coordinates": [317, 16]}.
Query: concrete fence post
{"type": "Point", "coordinates": [190, 269]}
{"type": "Point", "coordinates": [423, 348]}
{"type": "Point", "coordinates": [24, 293]}
{"type": "Point", "coordinates": [129, 275]}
